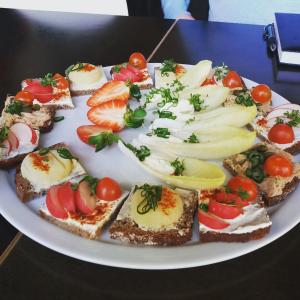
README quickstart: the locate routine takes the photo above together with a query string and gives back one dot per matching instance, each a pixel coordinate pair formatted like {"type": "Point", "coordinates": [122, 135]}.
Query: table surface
{"type": "Point", "coordinates": [33, 43]}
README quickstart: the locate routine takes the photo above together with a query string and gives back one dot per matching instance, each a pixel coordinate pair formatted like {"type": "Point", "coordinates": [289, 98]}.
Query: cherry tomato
{"type": "Point", "coordinates": [276, 165]}
{"type": "Point", "coordinates": [261, 93]}
{"type": "Point", "coordinates": [232, 80]}
{"type": "Point", "coordinates": [222, 210]}
{"type": "Point", "coordinates": [245, 187]}
{"type": "Point", "coordinates": [281, 134]}
{"type": "Point", "coordinates": [138, 60]}
{"type": "Point", "coordinates": [230, 198]}
{"type": "Point", "coordinates": [108, 189]}
{"type": "Point", "coordinates": [210, 220]}
{"type": "Point", "coordinates": [25, 96]}
{"type": "Point", "coordinates": [61, 81]}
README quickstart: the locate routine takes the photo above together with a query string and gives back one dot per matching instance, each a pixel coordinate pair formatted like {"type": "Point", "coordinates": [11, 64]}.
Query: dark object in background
{"type": "Point", "coordinates": [152, 8]}
{"type": "Point", "coordinates": [269, 36]}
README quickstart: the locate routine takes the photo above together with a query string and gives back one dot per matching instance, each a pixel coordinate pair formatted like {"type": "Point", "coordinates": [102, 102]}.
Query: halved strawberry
{"type": "Point", "coordinates": [111, 90]}
{"type": "Point", "coordinates": [109, 115]}
{"type": "Point", "coordinates": [86, 131]}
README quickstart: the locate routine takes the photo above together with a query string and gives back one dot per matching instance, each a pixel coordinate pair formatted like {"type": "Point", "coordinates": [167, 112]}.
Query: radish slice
{"type": "Point", "coordinates": [13, 140]}
{"type": "Point", "coordinates": [24, 133]}
{"type": "Point", "coordinates": [287, 106]}
{"type": "Point", "coordinates": [6, 147]}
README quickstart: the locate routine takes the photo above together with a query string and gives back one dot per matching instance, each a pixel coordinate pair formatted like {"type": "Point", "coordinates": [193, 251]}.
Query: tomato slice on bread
{"type": "Point", "coordinates": [210, 220]}
{"type": "Point", "coordinates": [25, 96]}
{"type": "Point", "coordinates": [245, 187]}
{"type": "Point", "coordinates": [276, 165]}
{"type": "Point", "coordinates": [232, 80]}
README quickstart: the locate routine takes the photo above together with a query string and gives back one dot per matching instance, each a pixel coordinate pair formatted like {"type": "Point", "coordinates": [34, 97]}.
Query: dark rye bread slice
{"type": "Point", "coordinates": [30, 118]}
{"type": "Point", "coordinates": [7, 164]}
{"type": "Point", "coordinates": [128, 231]}
{"type": "Point", "coordinates": [212, 236]}
{"type": "Point", "coordinates": [288, 188]}
{"type": "Point", "coordinates": [83, 92]}
{"type": "Point", "coordinates": [24, 188]}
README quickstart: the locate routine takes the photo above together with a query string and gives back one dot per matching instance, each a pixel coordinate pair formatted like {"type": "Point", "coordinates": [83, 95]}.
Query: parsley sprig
{"type": "Point", "coordinates": [3, 134]}
{"type": "Point", "coordinates": [160, 132]}
{"type": "Point", "coordinates": [294, 117]}
{"type": "Point", "coordinates": [244, 98]}
{"type": "Point", "coordinates": [197, 101]}
{"type": "Point", "coordinates": [76, 67]}
{"type": "Point", "coordinates": [141, 153]}
{"type": "Point", "coordinates": [48, 80]}
{"type": "Point", "coordinates": [16, 107]}
{"type": "Point", "coordinates": [165, 114]}
{"type": "Point", "coordinates": [100, 141]}
{"type": "Point", "coordinates": [168, 65]}
{"type": "Point", "coordinates": [65, 153]}
{"type": "Point", "coordinates": [192, 139]}
{"type": "Point", "coordinates": [134, 118]}
{"type": "Point", "coordinates": [221, 71]}
{"type": "Point", "coordinates": [178, 167]}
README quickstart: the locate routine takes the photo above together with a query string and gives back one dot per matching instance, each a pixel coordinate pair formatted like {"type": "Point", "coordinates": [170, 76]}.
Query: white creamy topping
{"type": "Point", "coordinates": [63, 101]}
{"type": "Point", "coordinates": [159, 164]}
{"type": "Point", "coordinates": [88, 86]}
{"type": "Point", "coordinates": [253, 217]}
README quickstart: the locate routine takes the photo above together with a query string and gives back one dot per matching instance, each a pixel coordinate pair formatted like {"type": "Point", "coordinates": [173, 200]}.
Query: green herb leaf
{"type": "Point", "coordinates": [134, 118]}
{"type": "Point", "coordinates": [294, 117]}
{"type": "Point", "coordinates": [103, 139]}
{"type": "Point", "coordinates": [16, 107]}
{"type": "Point", "coordinates": [165, 114]}
{"type": "Point", "coordinates": [221, 71]}
{"type": "Point", "coordinates": [48, 80]}
{"type": "Point", "coordinates": [197, 101]}
{"type": "Point", "coordinates": [177, 86]}
{"type": "Point", "coordinates": [65, 153]}
{"type": "Point", "coordinates": [178, 166]}
{"type": "Point", "coordinates": [3, 134]}
{"type": "Point", "coordinates": [141, 153]}
{"type": "Point", "coordinates": [189, 121]}
{"type": "Point", "coordinates": [76, 67]}
{"type": "Point", "coordinates": [135, 91]}
{"type": "Point", "coordinates": [192, 139]}
{"type": "Point", "coordinates": [244, 98]}
{"type": "Point", "coordinates": [43, 151]}
{"type": "Point", "coordinates": [58, 119]}
{"type": "Point", "coordinates": [243, 193]}
{"type": "Point", "coordinates": [168, 65]}
{"type": "Point", "coordinates": [74, 186]}
{"type": "Point", "coordinates": [162, 132]}
{"type": "Point", "coordinates": [92, 181]}
{"type": "Point", "coordinates": [256, 173]}
{"type": "Point", "coordinates": [151, 195]}
{"type": "Point", "coordinates": [203, 206]}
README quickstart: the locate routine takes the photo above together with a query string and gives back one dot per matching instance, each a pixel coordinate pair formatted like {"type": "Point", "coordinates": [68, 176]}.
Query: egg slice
{"type": "Point", "coordinates": [86, 75]}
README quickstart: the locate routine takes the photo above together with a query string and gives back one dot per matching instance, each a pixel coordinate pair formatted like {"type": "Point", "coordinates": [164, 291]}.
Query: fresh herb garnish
{"type": "Point", "coordinates": [189, 121]}
{"type": "Point", "coordinates": [192, 139]}
{"type": "Point", "coordinates": [244, 98]}
{"type": "Point", "coordinates": [256, 173]}
{"type": "Point", "coordinates": [134, 118]}
{"type": "Point", "coordinates": [177, 86]}
{"type": "Point", "coordinates": [151, 195]}
{"type": "Point", "coordinates": [58, 119]}
{"type": "Point", "coordinates": [165, 114]}
{"type": "Point", "coordinates": [74, 186]}
{"type": "Point", "coordinates": [203, 206]}
{"type": "Point", "coordinates": [76, 67]}
{"type": "Point", "coordinates": [3, 134]}
{"type": "Point", "coordinates": [161, 132]}
{"type": "Point", "coordinates": [178, 166]}
{"type": "Point", "coordinates": [167, 97]}
{"type": "Point", "coordinates": [242, 193]}
{"type": "Point", "coordinates": [221, 71]}
{"type": "Point", "coordinates": [103, 139]}
{"type": "Point", "coordinates": [65, 153]}
{"type": "Point", "coordinates": [16, 107]}
{"type": "Point", "coordinates": [141, 153]}
{"type": "Point", "coordinates": [48, 80]}
{"type": "Point", "coordinates": [294, 117]}
{"type": "Point", "coordinates": [92, 181]}
{"type": "Point", "coordinates": [197, 101]}
{"type": "Point", "coordinates": [43, 151]}
{"type": "Point", "coordinates": [279, 120]}
{"type": "Point", "coordinates": [134, 91]}
{"type": "Point", "coordinates": [168, 65]}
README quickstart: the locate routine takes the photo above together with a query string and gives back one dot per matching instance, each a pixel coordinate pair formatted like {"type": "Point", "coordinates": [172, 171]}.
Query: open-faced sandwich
{"type": "Point", "coordinates": [47, 167]}
{"type": "Point", "coordinates": [49, 90]}
{"type": "Point", "coordinates": [85, 78]}
{"type": "Point", "coordinates": [134, 71]}
{"type": "Point", "coordinates": [271, 168]}
{"type": "Point", "coordinates": [233, 213]}
{"type": "Point", "coordinates": [83, 207]}
{"type": "Point", "coordinates": [20, 109]}
{"type": "Point", "coordinates": [280, 127]}
{"type": "Point", "coordinates": [155, 215]}
{"type": "Point", "coordinates": [15, 143]}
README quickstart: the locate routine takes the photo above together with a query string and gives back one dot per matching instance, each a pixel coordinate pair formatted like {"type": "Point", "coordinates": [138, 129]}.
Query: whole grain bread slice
{"type": "Point", "coordinates": [7, 164]}
{"type": "Point", "coordinates": [24, 188]}
{"type": "Point", "coordinates": [231, 165]}
{"type": "Point", "coordinates": [126, 230]}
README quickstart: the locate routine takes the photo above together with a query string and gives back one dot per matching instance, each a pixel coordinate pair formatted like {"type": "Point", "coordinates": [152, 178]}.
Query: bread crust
{"type": "Point", "coordinates": [128, 231]}
{"type": "Point", "coordinates": [7, 164]}
{"type": "Point", "coordinates": [83, 92]}
{"type": "Point", "coordinates": [211, 236]}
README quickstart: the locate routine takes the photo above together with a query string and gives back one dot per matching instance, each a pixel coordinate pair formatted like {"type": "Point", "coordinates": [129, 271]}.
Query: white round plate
{"type": "Point", "coordinates": [111, 162]}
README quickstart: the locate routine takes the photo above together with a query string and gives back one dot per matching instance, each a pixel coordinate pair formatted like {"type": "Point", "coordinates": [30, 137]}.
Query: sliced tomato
{"type": "Point", "coordinates": [66, 196]}
{"type": "Point", "coordinates": [25, 96]}
{"type": "Point", "coordinates": [276, 165]}
{"type": "Point", "coordinates": [224, 211]}
{"type": "Point", "coordinates": [138, 60]}
{"type": "Point", "coordinates": [85, 131]}
{"type": "Point", "coordinates": [232, 80]}
{"type": "Point", "coordinates": [261, 93]}
{"type": "Point", "coordinates": [108, 189]}
{"type": "Point", "coordinates": [281, 134]}
{"type": "Point", "coordinates": [61, 82]}
{"type": "Point", "coordinates": [245, 187]}
{"type": "Point", "coordinates": [53, 204]}
{"type": "Point", "coordinates": [42, 93]}
{"type": "Point", "coordinates": [211, 221]}
{"type": "Point", "coordinates": [230, 198]}
{"type": "Point", "coordinates": [84, 199]}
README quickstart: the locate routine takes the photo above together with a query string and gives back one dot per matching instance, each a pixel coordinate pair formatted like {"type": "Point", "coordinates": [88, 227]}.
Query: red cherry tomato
{"type": "Point", "coordinates": [232, 80]}
{"type": "Point", "coordinates": [42, 93]}
{"type": "Point", "coordinates": [276, 165]}
{"type": "Point", "coordinates": [61, 81]}
{"type": "Point", "coordinates": [138, 60]}
{"type": "Point", "coordinates": [210, 220]}
{"type": "Point", "coordinates": [281, 134]}
{"type": "Point", "coordinates": [25, 96]}
{"type": "Point", "coordinates": [243, 186]}
{"type": "Point", "coordinates": [230, 198]}
{"type": "Point", "coordinates": [261, 93]}
{"type": "Point", "coordinates": [223, 211]}
{"type": "Point", "coordinates": [108, 189]}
